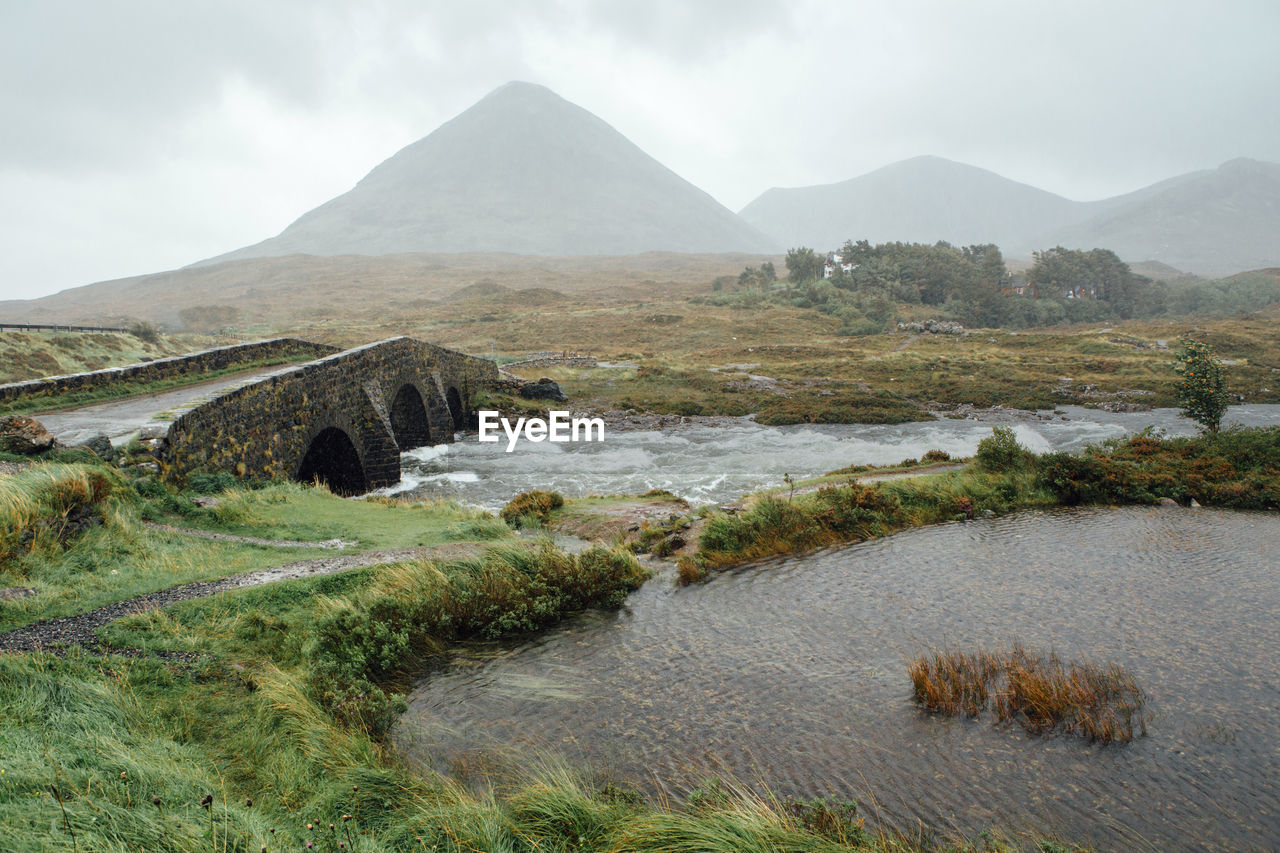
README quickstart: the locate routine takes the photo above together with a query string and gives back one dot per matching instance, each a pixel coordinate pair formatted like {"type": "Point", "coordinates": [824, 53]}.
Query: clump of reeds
{"type": "Point", "coordinates": [1040, 692]}
{"type": "Point", "coordinates": [953, 682]}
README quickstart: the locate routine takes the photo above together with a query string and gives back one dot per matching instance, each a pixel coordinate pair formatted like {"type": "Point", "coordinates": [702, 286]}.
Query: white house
{"type": "Point", "coordinates": [834, 260]}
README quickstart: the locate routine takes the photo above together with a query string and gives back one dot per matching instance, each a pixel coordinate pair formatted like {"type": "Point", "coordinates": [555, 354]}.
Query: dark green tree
{"type": "Point", "coordinates": [803, 264]}
{"type": "Point", "coordinates": [1202, 384]}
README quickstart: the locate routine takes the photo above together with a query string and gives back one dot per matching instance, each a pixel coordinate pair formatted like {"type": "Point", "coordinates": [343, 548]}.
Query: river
{"type": "Point", "coordinates": [718, 463]}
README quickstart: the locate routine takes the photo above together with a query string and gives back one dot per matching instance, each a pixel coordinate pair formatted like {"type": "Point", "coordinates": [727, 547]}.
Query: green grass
{"type": "Point", "coordinates": [610, 518]}
{"type": "Point", "coordinates": [92, 745]}
{"type": "Point", "coordinates": [305, 513]}
{"type": "Point", "coordinates": [113, 556]}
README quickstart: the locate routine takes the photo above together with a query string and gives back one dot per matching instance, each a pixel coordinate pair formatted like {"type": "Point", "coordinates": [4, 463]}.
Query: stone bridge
{"type": "Point", "coordinates": [343, 419]}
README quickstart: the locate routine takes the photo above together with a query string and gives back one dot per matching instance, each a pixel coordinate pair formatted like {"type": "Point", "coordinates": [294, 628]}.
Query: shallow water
{"type": "Point", "coordinates": [717, 464]}
{"type": "Point", "coordinates": [792, 673]}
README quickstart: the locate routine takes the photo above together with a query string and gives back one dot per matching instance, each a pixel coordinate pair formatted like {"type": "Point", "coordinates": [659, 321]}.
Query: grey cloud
{"type": "Point", "coordinates": [100, 83]}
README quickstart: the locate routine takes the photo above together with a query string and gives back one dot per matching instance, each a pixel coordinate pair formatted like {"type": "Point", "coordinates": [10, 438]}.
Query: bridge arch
{"type": "Point", "coordinates": [456, 410]}
{"type": "Point", "coordinates": [332, 459]}
{"type": "Point", "coordinates": [409, 422]}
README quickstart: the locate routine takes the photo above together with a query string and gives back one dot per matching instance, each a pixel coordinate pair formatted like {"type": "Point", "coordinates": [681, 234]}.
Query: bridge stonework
{"type": "Point", "coordinates": [343, 419]}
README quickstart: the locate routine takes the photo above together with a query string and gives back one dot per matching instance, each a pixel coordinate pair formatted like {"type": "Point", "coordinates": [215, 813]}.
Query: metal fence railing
{"type": "Point", "coordinates": [37, 327]}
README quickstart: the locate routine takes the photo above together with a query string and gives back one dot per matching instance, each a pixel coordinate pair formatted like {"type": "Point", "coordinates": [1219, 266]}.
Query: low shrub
{"type": "Point", "coordinates": [212, 484]}
{"type": "Point", "coordinates": [836, 820]}
{"type": "Point", "coordinates": [857, 511]}
{"type": "Point", "coordinates": [1236, 468]}
{"type": "Point", "coordinates": [532, 508]}
{"type": "Point", "coordinates": [1001, 451]}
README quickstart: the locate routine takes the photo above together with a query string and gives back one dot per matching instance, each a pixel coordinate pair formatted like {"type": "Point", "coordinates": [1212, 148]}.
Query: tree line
{"type": "Point", "coordinates": [973, 285]}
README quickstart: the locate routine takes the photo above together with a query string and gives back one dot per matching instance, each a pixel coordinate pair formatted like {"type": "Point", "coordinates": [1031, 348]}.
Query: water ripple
{"type": "Point", "coordinates": [792, 674]}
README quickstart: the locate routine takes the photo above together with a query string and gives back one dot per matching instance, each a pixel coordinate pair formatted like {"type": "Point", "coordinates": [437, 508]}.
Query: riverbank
{"type": "Point", "coordinates": [273, 699]}
{"type": "Point", "coordinates": [251, 717]}
{"type": "Point", "coordinates": [1235, 468]}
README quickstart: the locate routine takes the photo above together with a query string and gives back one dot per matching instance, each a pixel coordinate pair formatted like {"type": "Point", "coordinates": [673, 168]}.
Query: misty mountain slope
{"type": "Point", "coordinates": [305, 289]}
{"type": "Point", "coordinates": [1213, 223]}
{"type": "Point", "coordinates": [521, 171]}
{"type": "Point", "coordinates": [924, 199]}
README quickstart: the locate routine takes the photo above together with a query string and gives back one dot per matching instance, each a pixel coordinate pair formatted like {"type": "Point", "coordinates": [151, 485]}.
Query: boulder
{"type": "Point", "coordinates": [1166, 502]}
{"type": "Point", "coordinates": [543, 389]}
{"type": "Point", "coordinates": [20, 434]}
{"type": "Point", "coordinates": [101, 445]}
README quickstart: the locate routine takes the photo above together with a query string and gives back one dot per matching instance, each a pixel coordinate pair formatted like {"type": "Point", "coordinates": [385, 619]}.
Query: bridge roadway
{"type": "Point", "coordinates": [120, 419]}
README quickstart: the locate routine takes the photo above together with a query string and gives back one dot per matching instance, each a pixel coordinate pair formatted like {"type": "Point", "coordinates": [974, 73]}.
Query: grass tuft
{"type": "Point", "coordinates": [1042, 693]}
{"type": "Point", "coordinates": [532, 508]}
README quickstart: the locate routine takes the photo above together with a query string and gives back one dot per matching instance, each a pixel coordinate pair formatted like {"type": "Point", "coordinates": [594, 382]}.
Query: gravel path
{"type": "Point", "coordinates": [81, 629]}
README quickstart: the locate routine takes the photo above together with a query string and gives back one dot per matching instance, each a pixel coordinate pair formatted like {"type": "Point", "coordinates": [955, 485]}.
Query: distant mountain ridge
{"type": "Point", "coordinates": [522, 171]}
{"type": "Point", "coordinates": [1211, 222]}
{"type": "Point", "coordinates": [1215, 222]}
{"type": "Point", "coordinates": [923, 199]}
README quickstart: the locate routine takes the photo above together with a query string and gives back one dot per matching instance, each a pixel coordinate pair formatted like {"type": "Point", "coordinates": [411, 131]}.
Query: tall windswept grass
{"type": "Point", "coordinates": [362, 643]}
{"type": "Point", "coordinates": [44, 505]}
{"type": "Point", "coordinates": [1040, 692]}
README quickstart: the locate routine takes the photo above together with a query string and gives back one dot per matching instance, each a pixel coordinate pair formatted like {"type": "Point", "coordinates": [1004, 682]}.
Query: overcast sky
{"type": "Point", "coordinates": [142, 136]}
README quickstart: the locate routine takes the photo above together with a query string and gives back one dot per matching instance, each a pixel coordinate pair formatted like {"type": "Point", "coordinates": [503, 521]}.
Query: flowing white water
{"type": "Point", "coordinates": [718, 463]}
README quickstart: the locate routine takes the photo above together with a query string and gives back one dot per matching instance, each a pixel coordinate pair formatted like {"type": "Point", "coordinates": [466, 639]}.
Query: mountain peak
{"type": "Point", "coordinates": [522, 171]}
{"type": "Point", "coordinates": [521, 90]}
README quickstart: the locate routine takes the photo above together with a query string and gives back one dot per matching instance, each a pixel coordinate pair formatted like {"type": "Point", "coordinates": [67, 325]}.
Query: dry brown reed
{"type": "Point", "coordinates": [1042, 693]}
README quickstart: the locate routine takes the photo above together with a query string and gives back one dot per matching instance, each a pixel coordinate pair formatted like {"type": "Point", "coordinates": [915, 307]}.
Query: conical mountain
{"type": "Point", "coordinates": [924, 199]}
{"type": "Point", "coordinates": [521, 171]}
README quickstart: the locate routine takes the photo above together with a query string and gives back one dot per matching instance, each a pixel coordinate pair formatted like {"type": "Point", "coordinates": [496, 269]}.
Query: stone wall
{"type": "Point", "coordinates": [376, 400]}
{"type": "Point", "coordinates": [553, 361]}
{"type": "Point", "coordinates": [205, 361]}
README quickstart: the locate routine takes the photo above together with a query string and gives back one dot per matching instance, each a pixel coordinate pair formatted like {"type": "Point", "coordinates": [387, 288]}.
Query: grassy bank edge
{"type": "Point", "coordinates": [1236, 468]}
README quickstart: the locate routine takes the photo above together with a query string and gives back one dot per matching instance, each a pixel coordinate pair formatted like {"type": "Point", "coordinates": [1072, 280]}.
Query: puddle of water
{"type": "Point", "coordinates": [792, 674]}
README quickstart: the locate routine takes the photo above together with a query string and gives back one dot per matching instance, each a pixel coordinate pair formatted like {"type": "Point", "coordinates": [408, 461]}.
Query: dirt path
{"type": "Point", "coordinates": [81, 629]}
{"type": "Point", "coordinates": [872, 477]}
{"type": "Point", "coordinates": [899, 348]}
{"type": "Point", "coordinates": [911, 472]}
